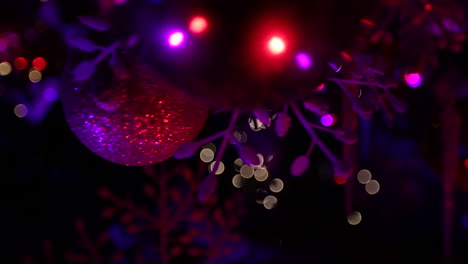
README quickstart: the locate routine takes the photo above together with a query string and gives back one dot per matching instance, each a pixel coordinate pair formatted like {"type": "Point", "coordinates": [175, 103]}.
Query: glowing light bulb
{"type": "Point", "coordinates": [21, 63]}
{"type": "Point", "coordinates": [39, 63]}
{"type": "Point", "coordinates": [303, 60]}
{"type": "Point", "coordinates": [176, 39]}
{"type": "Point", "coordinates": [413, 79]}
{"type": "Point", "coordinates": [276, 45]}
{"type": "Point", "coordinates": [198, 25]}
{"type": "Point", "coordinates": [328, 120]}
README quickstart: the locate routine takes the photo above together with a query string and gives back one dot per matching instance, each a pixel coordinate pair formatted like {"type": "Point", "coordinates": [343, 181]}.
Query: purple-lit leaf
{"type": "Point", "coordinates": [263, 115]}
{"type": "Point", "coordinates": [316, 106]}
{"type": "Point", "coordinates": [249, 156]}
{"type": "Point", "coordinates": [119, 69]}
{"type": "Point", "coordinates": [282, 124]}
{"type": "Point", "coordinates": [207, 187]}
{"type": "Point", "coordinates": [187, 150]}
{"type": "Point", "coordinates": [84, 70]}
{"type": "Point", "coordinates": [300, 165]}
{"type": "Point", "coordinates": [346, 136]}
{"type": "Point", "coordinates": [94, 22]}
{"type": "Point", "coordinates": [82, 43]}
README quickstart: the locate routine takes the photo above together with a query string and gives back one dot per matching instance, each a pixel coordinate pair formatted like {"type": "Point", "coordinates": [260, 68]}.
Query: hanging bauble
{"type": "Point", "coordinates": [137, 121]}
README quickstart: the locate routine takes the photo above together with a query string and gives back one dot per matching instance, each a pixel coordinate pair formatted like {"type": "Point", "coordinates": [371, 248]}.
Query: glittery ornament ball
{"type": "Point", "coordinates": [134, 122]}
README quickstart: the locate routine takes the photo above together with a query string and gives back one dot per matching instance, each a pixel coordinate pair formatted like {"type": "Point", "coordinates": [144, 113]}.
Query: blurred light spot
{"type": "Point", "coordinates": [220, 167]}
{"type": "Point", "coordinates": [364, 176]}
{"type": "Point", "coordinates": [261, 174]}
{"type": "Point", "coordinates": [237, 181]}
{"type": "Point", "coordinates": [345, 55]}
{"type": "Point", "coordinates": [276, 45]}
{"type": "Point", "coordinates": [413, 79]}
{"type": "Point", "coordinates": [261, 159]}
{"type": "Point", "coordinates": [340, 180]}
{"type": "Point", "coordinates": [240, 136]}
{"type": "Point", "coordinates": [21, 63]}
{"type": "Point", "coordinates": [207, 155]}
{"type": "Point", "coordinates": [270, 202]}
{"type": "Point", "coordinates": [303, 60]}
{"type": "Point", "coordinates": [5, 68]}
{"type": "Point", "coordinates": [3, 45]}
{"type": "Point", "coordinates": [246, 171]}
{"type": "Point", "coordinates": [211, 146]}
{"type": "Point", "coordinates": [367, 22]}
{"type": "Point", "coordinates": [328, 120]}
{"type": "Point", "coordinates": [13, 39]}
{"type": "Point", "coordinates": [270, 158]}
{"type": "Point", "coordinates": [466, 163]}
{"type": "Point", "coordinates": [276, 185]}
{"type": "Point", "coordinates": [238, 163]}
{"type": "Point", "coordinates": [35, 76]}
{"type": "Point", "coordinates": [50, 94]}
{"type": "Point", "coordinates": [260, 195]}
{"type": "Point", "coordinates": [21, 110]}
{"type": "Point", "coordinates": [372, 187]}
{"type": "Point", "coordinates": [39, 64]}
{"type": "Point", "coordinates": [355, 218]}
{"type": "Point", "coordinates": [198, 25]}
{"type": "Point", "coordinates": [176, 39]}
{"type": "Point", "coordinates": [256, 125]}
{"type": "Point", "coordinates": [428, 7]}
{"type": "Point", "coordinates": [320, 88]}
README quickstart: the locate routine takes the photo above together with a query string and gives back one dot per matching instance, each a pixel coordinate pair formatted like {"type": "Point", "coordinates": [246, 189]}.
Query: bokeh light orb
{"type": "Point", "coordinates": [198, 25]}
{"type": "Point", "coordinates": [39, 64]}
{"type": "Point", "coordinates": [21, 110]}
{"type": "Point", "coordinates": [20, 63]}
{"type": "Point", "coordinates": [303, 60]}
{"type": "Point", "coordinates": [413, 80]}
{"type": "Point", "coordinates": [328, 120]}
{"type": "Point", "coordinates": [176, 39]}
{"type": "Point", "coordinates": [5, 68]}
{"type": "Point", "coordinates": [276, 46]}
